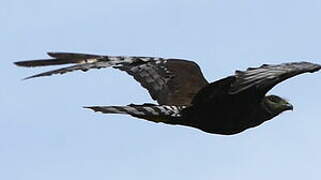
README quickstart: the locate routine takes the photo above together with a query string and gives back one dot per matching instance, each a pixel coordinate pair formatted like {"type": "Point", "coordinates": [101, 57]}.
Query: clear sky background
{"type": "Point", "coordinates": [45, 134]}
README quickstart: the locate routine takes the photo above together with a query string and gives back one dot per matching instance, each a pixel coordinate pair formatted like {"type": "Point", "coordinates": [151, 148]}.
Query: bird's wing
{"type": "Point", "coordinates": [266, 77]}
{"type": "Point", "coordinates": [169, 81]}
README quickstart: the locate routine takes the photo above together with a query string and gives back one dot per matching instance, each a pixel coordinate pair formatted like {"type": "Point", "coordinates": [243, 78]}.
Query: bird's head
{"type": "Point", "coordinates": [276, 105]}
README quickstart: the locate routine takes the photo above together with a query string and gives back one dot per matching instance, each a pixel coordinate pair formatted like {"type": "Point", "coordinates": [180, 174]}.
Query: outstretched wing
{"type": "Point", "coordinates": [169, 81]}
{"type": "Point", "coordinates": [266, 77]}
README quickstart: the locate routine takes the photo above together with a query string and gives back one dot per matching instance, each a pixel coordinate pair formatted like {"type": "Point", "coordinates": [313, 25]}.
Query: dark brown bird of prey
{"type": "Point", "coordinates": [226, 106]}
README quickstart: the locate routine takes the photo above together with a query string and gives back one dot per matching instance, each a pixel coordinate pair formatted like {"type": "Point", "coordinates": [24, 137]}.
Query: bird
{"type": "Point", "coordinates": [184, 97]}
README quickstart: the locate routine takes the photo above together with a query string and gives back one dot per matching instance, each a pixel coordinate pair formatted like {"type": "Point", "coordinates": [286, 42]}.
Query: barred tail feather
{"type": "Point", "coordinates": [155, 113]}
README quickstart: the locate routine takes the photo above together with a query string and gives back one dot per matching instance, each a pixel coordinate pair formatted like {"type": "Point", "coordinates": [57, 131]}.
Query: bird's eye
{"type": "Point", "coordinates": [274, 99]}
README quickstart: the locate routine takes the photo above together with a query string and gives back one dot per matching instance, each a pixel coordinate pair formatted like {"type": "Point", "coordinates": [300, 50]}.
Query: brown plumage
{"type": "Point", "coordinates": [227, 106]}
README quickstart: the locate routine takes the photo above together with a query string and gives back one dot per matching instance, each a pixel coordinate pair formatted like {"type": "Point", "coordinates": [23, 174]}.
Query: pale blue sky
{"type": "Point", "coordinates": [45, 134]}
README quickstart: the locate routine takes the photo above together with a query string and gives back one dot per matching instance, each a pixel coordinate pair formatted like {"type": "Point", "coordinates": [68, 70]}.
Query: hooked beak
{"type": "Point", "coordinates": [289, 107]}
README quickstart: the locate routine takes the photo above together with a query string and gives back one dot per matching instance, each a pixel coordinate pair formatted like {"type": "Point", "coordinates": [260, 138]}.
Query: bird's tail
{"type": "Point", "coordinates": [82, 62]}
{"type": "Point", "coordinates": [156, 113]}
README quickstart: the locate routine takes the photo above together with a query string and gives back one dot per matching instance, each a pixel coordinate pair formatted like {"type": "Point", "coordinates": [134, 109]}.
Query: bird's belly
{"type": "Point", "coordinates": [220, 121]}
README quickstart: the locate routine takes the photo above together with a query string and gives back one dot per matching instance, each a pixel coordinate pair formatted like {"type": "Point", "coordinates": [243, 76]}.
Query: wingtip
{"type": "Point", "coordinates": [34, 76]}
{"type": "Point", "coordinates": [54, 53]}
{"type": "Point", "coordinates": [314, 66]}
{"type": "Point", "coordinates": [26, 78]}
{"type": "Point", "coordinates": [16, 63]}
{"type": "Point", "coordinates": [50, 53]}
{"type": "Point", "coordinates": [21, 64]}
{"type": "Point", "coordinates": [94, 108]}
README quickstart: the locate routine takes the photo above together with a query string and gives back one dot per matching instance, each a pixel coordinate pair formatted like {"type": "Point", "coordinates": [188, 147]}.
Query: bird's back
{"type": "Point", "coordinates": [214, 110]}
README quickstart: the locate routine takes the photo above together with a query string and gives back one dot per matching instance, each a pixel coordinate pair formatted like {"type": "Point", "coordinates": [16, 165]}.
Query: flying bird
{"type": "Point", "coordinates": [227, 106]}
